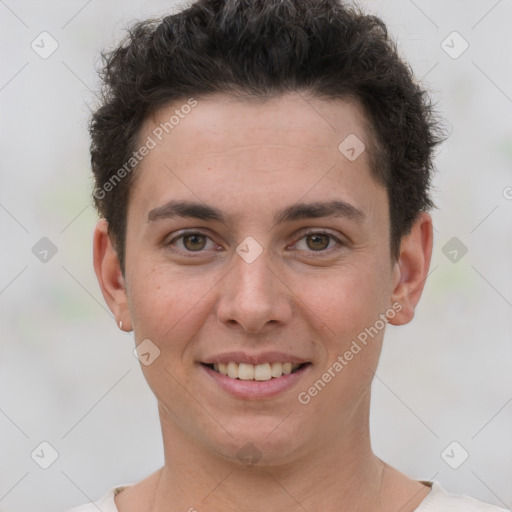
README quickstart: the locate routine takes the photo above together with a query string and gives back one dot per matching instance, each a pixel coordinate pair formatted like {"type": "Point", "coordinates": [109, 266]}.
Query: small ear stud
{"type": "Point", "coordinates": [121, 324]}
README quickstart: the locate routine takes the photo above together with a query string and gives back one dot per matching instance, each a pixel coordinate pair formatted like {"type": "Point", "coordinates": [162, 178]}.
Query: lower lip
{"type": "Point", "coordinates": [254, 389]}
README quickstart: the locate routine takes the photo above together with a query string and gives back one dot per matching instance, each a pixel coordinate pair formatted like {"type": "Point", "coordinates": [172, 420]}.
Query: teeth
{"type": "Point", "coordinates": [276, 369]}
{"type": "Point", "coordinates": [232, 370]}
{"type": "Point", "coordinates": [246, 371]}
{"type": "Point", "coordinates": [261, 372]}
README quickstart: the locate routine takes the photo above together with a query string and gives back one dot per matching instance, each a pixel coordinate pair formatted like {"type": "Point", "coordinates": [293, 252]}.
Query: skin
{"type": "Point", "coordinates": [305, 296]}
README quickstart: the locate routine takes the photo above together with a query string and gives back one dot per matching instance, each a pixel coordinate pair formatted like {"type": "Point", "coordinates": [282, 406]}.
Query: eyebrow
{"type": "Point", "coordinates": [202, 211]}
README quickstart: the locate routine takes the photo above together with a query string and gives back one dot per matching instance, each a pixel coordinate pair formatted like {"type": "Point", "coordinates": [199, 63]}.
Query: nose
{"type": "Point", "coordinates": [253, 296]}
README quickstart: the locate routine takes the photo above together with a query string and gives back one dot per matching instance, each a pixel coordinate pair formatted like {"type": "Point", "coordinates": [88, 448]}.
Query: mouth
{"type": "Point", "coordinates": [255, 382]}
{"type": "Point", "coordinates": [255, 372]}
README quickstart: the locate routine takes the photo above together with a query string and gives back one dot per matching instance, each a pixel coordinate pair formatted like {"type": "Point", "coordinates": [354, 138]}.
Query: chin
{"type": "Point", "coordinates": [263, 442]}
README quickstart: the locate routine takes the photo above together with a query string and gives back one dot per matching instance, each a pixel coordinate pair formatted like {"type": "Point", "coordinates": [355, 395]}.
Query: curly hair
{"type": "Point", "coordinates": [257, 50]}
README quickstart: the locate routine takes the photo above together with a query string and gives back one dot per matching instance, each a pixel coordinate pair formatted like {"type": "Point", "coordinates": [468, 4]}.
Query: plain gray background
{"type": "Point", "coordinates": [68, 376]}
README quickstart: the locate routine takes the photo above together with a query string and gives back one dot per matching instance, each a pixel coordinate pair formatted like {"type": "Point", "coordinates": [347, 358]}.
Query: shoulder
{"type": "Point", "coordinates": [439, 500]}
{"type": "Point", "coordinates": [106, 503]}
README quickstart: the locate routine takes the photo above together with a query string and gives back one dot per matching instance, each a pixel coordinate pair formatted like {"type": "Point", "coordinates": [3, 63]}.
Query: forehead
{"type": "Point", "coordinates": [220, 122]}
{"type": "Point", "coordinates": [221, 148]}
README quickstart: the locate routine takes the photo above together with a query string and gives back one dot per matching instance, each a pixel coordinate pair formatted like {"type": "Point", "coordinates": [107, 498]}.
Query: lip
{"type": "Point", "coordinates": [264, 357]}
{"type": "Point", "coordinates": [253, 389]}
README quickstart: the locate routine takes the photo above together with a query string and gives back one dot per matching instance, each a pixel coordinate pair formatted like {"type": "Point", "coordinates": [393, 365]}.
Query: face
{"type": "Point", "coordinates": [252, 238]}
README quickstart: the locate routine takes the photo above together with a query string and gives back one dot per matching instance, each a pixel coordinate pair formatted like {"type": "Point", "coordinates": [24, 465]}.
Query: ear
{"type": "Point", "coordinates": [110, 278]}
{"type": "Point", "coordinates": [411, 269]}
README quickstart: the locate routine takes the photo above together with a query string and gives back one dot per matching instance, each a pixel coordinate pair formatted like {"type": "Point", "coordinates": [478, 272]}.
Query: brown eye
{"type": "Point", "coordinates": [318, 242]}
{"type": "Point", "coordinates": [190, 242]}
{"type": "Point", "coordinates": [194, 242]}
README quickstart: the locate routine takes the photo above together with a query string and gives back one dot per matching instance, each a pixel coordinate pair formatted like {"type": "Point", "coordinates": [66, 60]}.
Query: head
{"type": "Point", "coordinates": [306, 144]}
{"type": "Point", "coordinates": [257, 51]}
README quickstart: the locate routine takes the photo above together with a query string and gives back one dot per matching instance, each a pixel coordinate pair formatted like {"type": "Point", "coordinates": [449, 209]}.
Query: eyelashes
{"type": "Point", "coordinates": [320, 234]}
{"type": "Point", "coordinates": [192, 240]}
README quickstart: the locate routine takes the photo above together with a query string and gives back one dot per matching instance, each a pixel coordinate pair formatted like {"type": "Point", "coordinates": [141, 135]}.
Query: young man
{"type": "Point", "coordinates": [262, 172]}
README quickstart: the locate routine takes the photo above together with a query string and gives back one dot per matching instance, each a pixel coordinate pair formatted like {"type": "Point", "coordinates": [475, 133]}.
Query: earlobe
{"type": "Point", "coordinates": [411, 269]}
{"type": "Point", "coordinates": [109, 275]}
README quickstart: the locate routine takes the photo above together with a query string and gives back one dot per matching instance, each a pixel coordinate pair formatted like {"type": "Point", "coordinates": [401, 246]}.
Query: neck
{"type": "Point", "coordinates": [339, 472]}
{"type": "Point", "coordinates": [336, 471]}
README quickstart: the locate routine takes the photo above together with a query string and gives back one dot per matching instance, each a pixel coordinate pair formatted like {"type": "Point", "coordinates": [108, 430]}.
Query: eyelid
{"type": "Point", "coordinates": [299, 236]}
{"type": "Point", "coordinates": [341, 242]}
{"type": "Point", "coordinates": [183, 233]}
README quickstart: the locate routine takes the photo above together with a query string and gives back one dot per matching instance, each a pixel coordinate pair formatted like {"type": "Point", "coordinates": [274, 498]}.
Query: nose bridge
{"type": "Point", "coordinates": [252, 296]}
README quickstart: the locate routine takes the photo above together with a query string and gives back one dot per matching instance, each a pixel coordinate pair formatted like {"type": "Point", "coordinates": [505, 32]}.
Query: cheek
{"type": "Point", "coordinates": [350, 304]}
{"type": "Point", "coordinates": [168, 308]}
{"type": "Point", "coordinates": [166, 305]}
{"type": "Point", "coordinates": [352, 297]}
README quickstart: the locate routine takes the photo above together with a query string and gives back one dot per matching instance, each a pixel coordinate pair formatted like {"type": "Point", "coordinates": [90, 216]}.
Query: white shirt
{"type": "Point", "coordinates": [437, 500]}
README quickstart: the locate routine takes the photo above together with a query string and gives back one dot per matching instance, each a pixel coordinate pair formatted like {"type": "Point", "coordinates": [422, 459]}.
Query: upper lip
{"type": "Point", "coordinates": [264, 357]}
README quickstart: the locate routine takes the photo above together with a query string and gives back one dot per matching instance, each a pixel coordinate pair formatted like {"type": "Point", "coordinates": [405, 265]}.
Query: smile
{"type": "Point", "coordinates": [259, 372]}
{"type": "Point", "coordinates": [255, 382]}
